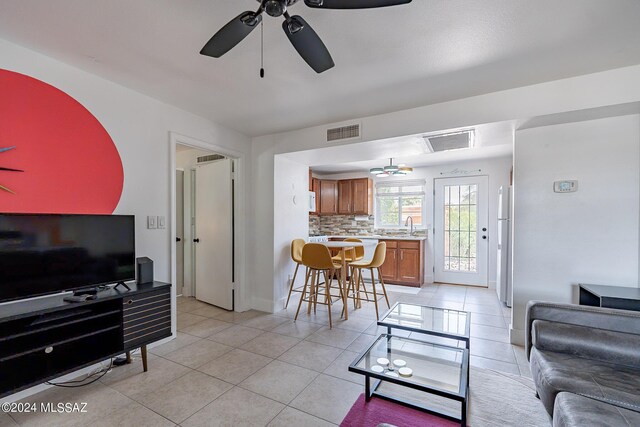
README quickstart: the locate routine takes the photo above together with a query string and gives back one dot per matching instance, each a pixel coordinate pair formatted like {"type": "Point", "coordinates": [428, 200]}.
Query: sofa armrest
{"type": "Point", "coordinates": [593, 317]}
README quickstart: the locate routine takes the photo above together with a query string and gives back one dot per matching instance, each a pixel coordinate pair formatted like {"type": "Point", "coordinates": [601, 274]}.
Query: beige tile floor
{"type": "Point", "coordinates": [258, 369]}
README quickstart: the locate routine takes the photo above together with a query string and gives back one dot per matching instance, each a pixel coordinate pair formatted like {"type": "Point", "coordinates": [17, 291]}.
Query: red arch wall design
{"type": "Point", "coordinates": [70, 162]}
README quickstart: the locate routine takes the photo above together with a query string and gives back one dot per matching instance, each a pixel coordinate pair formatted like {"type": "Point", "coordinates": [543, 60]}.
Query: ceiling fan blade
{"type": "Point", "coordinates": [231, 34]}
{"type": "Point", "coordinates": [353, 4]}
{"type": "Point", "coordinates": [308, 44]}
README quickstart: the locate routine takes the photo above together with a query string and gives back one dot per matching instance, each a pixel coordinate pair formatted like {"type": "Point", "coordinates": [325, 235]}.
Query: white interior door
{"type": "Point", "coordinates": [179, 231]}
{"type": "Point", "coordinates": [461, 230]}
{"type": "Point", "coordinates": [214, 234]}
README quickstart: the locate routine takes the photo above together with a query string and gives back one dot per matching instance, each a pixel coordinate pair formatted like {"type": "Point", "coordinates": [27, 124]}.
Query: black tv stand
{"type": "Point", "coordinates": [86, 291]}
{"type": "Point", "coordinates": [122, 284]}
{"type": "Point", "coordinates": [45, 338]}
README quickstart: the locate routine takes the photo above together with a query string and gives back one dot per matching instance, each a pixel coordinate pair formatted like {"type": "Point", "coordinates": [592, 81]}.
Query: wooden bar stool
{"type": "Point", "coordinates": [375, 263]}
{"type": "Point", "coordinates": [296, 256]}
{"type": "Point", "coordinates": [317, 258]}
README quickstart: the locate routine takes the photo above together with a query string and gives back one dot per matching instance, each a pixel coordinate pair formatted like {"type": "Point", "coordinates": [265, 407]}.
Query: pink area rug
{"type": "Point", "coordinates": [377, 411]}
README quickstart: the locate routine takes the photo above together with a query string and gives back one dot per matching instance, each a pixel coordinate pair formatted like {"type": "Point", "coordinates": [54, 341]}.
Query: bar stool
{"type": "Point", "coordinates": [359, 255]}
{"type": "Point", "coordinates": [357, 266]}
{"type": "Point", "coordinates": [359, 251]}
{"type": "Point", "coordinates": [296, 256]}
{"type": "Point", "coordinates": [317, 258]}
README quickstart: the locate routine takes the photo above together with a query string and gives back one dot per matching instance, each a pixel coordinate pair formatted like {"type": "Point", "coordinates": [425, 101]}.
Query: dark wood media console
{"type": "Point", "coordinates": [42, 339]}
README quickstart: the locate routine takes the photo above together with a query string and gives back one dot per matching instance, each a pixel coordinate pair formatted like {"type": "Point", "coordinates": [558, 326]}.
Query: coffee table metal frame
{"type": "Point", "coordinates": [371, 389]}
{"type": "Point", "coordinates": [460, 337]}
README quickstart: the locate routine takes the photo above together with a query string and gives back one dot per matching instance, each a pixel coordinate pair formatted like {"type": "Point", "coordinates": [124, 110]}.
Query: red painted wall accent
{"type": "Point", "coordinates": [70, 163]}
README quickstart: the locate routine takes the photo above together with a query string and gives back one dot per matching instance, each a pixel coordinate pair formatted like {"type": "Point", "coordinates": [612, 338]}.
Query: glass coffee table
{"type": "Point", "coordinates": [432, 368]}
{"type": "Point", "coordinates": [441, 322]}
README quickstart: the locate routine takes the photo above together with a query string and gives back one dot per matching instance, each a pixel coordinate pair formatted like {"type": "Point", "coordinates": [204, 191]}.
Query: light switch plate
{"type": "Point", "coordinates": [161, 221]}
{"type": "Point", "coordinates": [151, 222]}
{"type": "Point", "coordinates": [567, 186]}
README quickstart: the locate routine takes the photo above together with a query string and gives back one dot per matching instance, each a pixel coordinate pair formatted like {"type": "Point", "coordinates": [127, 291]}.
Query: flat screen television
{"type": "Point", "coordinates": [48, 253]}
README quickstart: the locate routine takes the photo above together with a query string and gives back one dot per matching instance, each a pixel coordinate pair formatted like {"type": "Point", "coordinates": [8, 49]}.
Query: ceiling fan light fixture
{"type": "Point", "coordinates": [391, 170]}
{"type": "Point", "coordinates": [275, 8]}
{"type": "Point", "coordinates": [301, 35]}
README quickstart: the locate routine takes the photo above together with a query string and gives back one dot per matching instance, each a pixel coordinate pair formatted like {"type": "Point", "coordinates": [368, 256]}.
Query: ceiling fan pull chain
{"type": "Point", "coordinates": [262, 50]}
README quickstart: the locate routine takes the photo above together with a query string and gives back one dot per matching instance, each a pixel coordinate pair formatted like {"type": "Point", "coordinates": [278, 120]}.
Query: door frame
{"type": "Point", "coordinates": [241, 296]}
{"type": "Point", "coordinates": [435, 180]}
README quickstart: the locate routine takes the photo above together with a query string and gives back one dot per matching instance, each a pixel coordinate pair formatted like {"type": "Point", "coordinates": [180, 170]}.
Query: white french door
{"type": "Point", "coordinates": [214, 234]}
{"type": "Point", "coordinates": [461, 230]}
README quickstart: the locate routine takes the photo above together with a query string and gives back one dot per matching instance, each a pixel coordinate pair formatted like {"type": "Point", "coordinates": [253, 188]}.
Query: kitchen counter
{"type": "Point", "coordinates": [378, 237]}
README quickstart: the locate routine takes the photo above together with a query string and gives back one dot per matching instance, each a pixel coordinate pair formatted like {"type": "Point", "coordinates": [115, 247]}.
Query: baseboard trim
{"type": "Point", "coordinates": [516, 336]}
{"type": "Point", "coordinates": [262, 304]}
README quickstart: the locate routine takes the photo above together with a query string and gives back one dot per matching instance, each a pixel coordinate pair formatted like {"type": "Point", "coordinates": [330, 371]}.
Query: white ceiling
{"type": "Point", "coordinates": [387, 59]}
{"type": "Point", "coordinates": [491, 140]}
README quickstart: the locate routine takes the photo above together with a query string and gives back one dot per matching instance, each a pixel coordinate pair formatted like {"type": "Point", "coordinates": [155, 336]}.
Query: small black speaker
{"type": "Point", "coordinates": [144, 270]}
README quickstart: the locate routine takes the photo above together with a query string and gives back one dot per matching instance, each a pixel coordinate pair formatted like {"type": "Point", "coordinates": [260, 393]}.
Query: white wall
{"type": "Point", "coordinates": [139, 126]}
{"type": "Point", "coordinates": [496, 169]}
{"type": "Point", "coordinates": [291, 221]}
{"type": "Point", "coordinates": [186, 159]}
{"type": "Point", "coordinates": [607, 88]}
{"type": "Point", "coordinates": [590, 236]}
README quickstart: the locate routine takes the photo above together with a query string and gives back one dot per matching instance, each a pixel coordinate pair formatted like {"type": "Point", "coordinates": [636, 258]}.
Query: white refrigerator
{"type": "Point", "coordinates": [503, 278]}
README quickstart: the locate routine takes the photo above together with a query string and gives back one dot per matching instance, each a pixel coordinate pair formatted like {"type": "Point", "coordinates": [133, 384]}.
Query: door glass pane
{"type": "Point", "coordinates": [460, 213]}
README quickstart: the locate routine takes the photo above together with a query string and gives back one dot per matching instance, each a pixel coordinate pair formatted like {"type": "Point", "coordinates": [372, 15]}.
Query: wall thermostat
{"type": "Point", "coordinates": [565, 186]}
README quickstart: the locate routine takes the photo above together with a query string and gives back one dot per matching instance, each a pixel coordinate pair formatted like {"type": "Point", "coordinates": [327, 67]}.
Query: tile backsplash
{"type": "Point", "coordinates": [337, 225]}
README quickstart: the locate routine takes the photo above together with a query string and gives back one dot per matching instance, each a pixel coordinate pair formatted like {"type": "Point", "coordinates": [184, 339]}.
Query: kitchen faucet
{"type": "Point", "coordinates": [406, 223]}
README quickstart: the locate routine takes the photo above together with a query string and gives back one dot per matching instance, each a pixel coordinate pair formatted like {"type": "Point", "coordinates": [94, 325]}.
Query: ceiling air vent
{"type": "Point", "coordinates": [343, 133]}
{"type": "Point", "coordinates": [209, 158]}
{"type": "Point", "coordinates": [450, 141]}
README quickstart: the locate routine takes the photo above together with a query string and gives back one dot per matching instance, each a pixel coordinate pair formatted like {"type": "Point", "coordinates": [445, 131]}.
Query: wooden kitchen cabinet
{"type": "Point", "coordinates": [345, 196]}
{"type": "Point", "coordinates": [389, 269]}
{"type": "Point", "coordinates": [355, 196]}
{"type": "Point", "coordinates": [328, 197]}
{"type": "Point", "coordinates": [362, 196]}
{"type": "Point", "coordinates": [404, 262]}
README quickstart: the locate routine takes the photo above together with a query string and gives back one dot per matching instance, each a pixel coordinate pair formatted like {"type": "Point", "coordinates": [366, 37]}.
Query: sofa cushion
{"type": "Point", "coordinates": [572, 410]}
{"type": "Point", "coordinates": [557, 372]}
{"type": "Point", "coordinates": [591, 343]}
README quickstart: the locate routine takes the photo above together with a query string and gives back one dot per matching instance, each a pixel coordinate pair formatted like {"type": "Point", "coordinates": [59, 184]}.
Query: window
{"type": "Point", "coordinates": [397, 200]}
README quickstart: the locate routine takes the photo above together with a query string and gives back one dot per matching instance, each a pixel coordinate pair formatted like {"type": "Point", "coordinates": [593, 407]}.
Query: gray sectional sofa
{"type": "Point", "coordinates": [585, 362]}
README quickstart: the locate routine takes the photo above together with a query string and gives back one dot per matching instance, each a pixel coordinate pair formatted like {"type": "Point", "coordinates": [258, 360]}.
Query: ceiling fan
{"type": "Point", "coordinates": [303, 38]}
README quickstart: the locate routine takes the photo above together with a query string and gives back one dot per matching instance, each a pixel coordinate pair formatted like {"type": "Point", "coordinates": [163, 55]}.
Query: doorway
{"type": "Point", "coordinates": [461, 230]}
{"type": "Point", "coordinates": [204, 211]}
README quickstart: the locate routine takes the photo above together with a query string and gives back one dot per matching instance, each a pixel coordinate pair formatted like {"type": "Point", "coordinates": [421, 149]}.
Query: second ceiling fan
{"type": "Point", "coordinates": [303, 38]}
